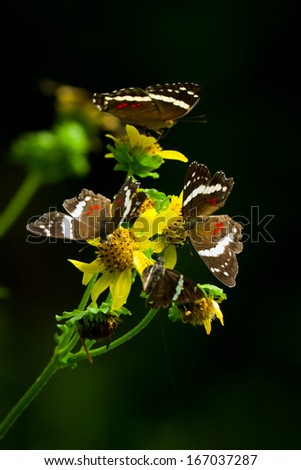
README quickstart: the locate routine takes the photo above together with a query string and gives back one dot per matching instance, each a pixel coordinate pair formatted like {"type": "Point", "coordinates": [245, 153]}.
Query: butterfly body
{"type": "Point", "coordinates": [155, 108]}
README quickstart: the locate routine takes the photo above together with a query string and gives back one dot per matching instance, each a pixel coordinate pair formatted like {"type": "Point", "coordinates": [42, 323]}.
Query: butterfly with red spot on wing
{"type": "Point", "coordinates": [216, 238]}
{"type": "Point", "coordinates": [166, 286]}
{"type": "Point", "coordinates": [90, 215]}
{"type": "Point", "coordinates": [157, 107]}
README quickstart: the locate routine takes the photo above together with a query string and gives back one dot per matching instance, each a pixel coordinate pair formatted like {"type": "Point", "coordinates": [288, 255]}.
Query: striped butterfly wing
{"type": "Point", "coordinates": [157, 107]}
{"type": "Point", "coordinates": [87, 215]}
{"type": "Point", "coordinates": [216, 238]}
{"type": "Point", "coordinates": [166, 286]}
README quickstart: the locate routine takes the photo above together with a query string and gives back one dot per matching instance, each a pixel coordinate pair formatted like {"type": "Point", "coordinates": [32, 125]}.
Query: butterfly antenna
{"type": "Point", "coordinates": [202, 119]}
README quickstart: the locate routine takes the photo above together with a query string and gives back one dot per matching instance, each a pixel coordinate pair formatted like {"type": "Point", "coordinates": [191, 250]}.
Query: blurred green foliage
{"type": "Point", "coordinates": [56, 154]}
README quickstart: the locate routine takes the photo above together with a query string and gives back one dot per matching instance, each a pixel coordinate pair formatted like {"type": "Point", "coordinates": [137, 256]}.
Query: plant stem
{"type": "Point", "coordinates": [57, 363]}
{"type": "Point", "coordinates": [54, 364]}
{"type": "Point", "coordinates": [69, 341]}
{"type": "Point", "coordinates": [86, 296]}
{"type": "Point", "coordinates": [29, 396]}
{"type": "Point", "coordinates": [19, 201]}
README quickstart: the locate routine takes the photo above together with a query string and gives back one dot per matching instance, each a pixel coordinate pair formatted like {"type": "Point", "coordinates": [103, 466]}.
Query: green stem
{"type": "Point", "coordinates": [86, 296]}
{"type": "Point", "coordinates": [69, 341]}
{"type": "Point", "coordinates": [19, 201]}
{"type": "Point", "coordinates": [57, 362]}
{"type": "Point", "coordinates": [29, 396]}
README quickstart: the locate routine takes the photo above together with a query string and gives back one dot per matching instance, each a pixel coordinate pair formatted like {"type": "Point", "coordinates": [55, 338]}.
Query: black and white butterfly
{"type": "Point", "coordinates": [166, 286]}
{"type": "Point", "coordinates": [90, 215]}
{"type": "Point", "coordinates": [157, 107]}
{"type": "Point", "coordinates": [216, 238]}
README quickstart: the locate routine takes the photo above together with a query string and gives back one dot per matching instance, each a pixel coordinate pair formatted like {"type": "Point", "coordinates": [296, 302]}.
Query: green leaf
{"type": "Point", "coordinates": [160, 200]}
{"type": "Point", "coordinates": [150, 162]}
{"type": "Point", "coordinates": [174, 313]}
{"type": "Point", "coordinates": [212, 292]}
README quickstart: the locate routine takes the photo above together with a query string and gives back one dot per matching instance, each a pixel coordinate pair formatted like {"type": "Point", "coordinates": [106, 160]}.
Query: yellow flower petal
{"type": "Point", "coordinates": [156, 246]}
{"type": "Point", "coordinates": [93, 242]}
{"type": "Point", "coordinates": [144, 226]}
{"type": "Point", "coordinates": [176, 203]}
{"type": "Point", "coordinates": [141, 261]}
{"type": "Point", "coordinates": [135, 138]}
{"type": "Point", "coordinates": [132, 134]}
{"type": "Point", "coordinates": [217, 311]}
{"type": "Point", "coordinates": [207, 326]}
{"type": "Point", "coordinates": [101, 285]}
{"type": "Point", "coordinates": [170, 256]}
{"type": "Point", "coordinates": [163, 219]}
{"type": "Point", "coordinates": [89, 268]}
{"type": "Point", "coordinates": [86, 278]}
{"type": "Point", "coordinates": [109, 155]}
{"type": "Point", "coordinates": [112, 137]}
{"type": "Point", "coordinates": [213, 310]}
{"type": "Point", "coordinates": [173, 155]}
{"type": "Point", "coordinates": [120, 288]}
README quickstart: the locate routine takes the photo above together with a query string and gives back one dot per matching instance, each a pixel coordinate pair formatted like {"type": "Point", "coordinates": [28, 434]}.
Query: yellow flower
{"type": "Point", "coordinates": [117, 256]}
{"type": "Point", "coordinates": [176, 204]}
{"type": "Point", "coordinates": [202, 312]}
{"type": "Point", "coordinates": [140, 154]}
{"type": "Point", "coordinates": [172, 229]}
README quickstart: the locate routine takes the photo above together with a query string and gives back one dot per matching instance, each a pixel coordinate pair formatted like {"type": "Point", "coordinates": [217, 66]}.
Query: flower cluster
{"type": "Point", "coordinates": [150, 228]}
{"type": "Point", "coordinates": [158, 230]}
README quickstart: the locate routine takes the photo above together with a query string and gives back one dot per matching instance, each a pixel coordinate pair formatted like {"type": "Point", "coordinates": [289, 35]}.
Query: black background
{"type": "Point", "coordinates": [172, 387]}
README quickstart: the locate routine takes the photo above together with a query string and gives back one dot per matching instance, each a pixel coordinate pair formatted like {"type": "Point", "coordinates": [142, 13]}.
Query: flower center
{"type": "Point", "coordinates": [146, 205]}
{"type": "Point", "coordinates": [201, 312]}
{"type": "Point", "coordinates": [154, 149]}
{"type": "Point", "coordinates": [116, 253]}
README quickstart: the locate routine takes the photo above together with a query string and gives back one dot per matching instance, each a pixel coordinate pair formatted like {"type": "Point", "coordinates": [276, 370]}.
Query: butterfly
{"type": "Point", "coordinates": [90, 215]}
{"type": "Point", "coordinates": [216, 238]}
{"type": "Point", "coordinates": [166, 286]}
{"type": "Point", "coordinates": [157, 107]}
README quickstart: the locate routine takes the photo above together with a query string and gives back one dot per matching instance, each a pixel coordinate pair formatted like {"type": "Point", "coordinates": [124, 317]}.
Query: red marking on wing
{"type": "Point", "coordinates": [219, 226]}
{"type": "Point", "coordinates": [135, 105]}
{"type": "Point", "coordinates": [121, 105]}
{"type": "Point", "coordinates": [212, 201]}
{"type": "Point", "coordinates": [93, 208]}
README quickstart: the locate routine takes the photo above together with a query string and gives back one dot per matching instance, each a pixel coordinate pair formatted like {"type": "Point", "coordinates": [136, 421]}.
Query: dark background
{"type": "Point", "coordinates": [172, 387]}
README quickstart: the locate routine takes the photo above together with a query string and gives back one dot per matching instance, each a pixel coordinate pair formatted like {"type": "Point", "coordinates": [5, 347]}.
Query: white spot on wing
{"type": "Point", "coordinates": [202, 189]}
{"type": "Point", "coordinates": [127, 204]}
{"type": "Point", "coordinates": [170, 99]}
{"type": "Point", "coordinates": [67, 227]}
{"type": "Point", "coordinates": [179, 288]}
{"type": "Point", "coordinates": [128, 98]}
{"type": "Point", "coordinates": [78, 209]}
{"type": "Point", "coordinates": [218, 249]}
